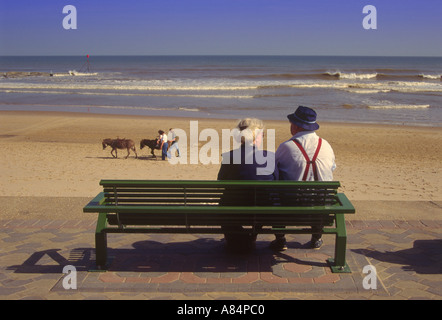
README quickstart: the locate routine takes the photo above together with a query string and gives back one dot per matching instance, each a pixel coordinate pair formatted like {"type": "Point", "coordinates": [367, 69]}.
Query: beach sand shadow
{"type": "Point", "coordinates": [124, 158]}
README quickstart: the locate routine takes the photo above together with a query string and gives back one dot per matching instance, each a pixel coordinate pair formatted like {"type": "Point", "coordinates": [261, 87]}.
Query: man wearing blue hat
{"type": "Point", "coordinates": [305, 157]}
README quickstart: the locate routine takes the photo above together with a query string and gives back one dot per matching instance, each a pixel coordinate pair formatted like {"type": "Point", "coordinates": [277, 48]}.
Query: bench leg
{"type": "Point", "coordinates": [101, 242]}
{"type": "Point", "coordinates": [338, 264]}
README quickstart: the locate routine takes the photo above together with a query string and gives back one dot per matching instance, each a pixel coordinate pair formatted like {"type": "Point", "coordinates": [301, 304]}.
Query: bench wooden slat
{"type": "Point", "coordinates": [217, 184]}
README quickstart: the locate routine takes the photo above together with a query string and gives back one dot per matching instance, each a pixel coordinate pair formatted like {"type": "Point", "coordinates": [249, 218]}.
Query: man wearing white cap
{"type": "Point", "coordinates": [304, 157]}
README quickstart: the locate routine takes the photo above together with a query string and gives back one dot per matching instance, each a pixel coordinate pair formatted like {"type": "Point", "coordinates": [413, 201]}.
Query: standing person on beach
{"type": "Point", "coordinates": [304, 157]}
{"type": "Point", "coordinates": [163, 144]}
{"type": "Point", "coordinates": [243, 164]}
{"type": "Point", "coordinates": [172, 139]}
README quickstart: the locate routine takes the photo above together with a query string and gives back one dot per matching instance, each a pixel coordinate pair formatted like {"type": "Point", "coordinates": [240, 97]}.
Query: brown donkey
{"type": "Point", "coordinates": [152, 144]}
{"type": "Point", "coordinates": [120, 144]}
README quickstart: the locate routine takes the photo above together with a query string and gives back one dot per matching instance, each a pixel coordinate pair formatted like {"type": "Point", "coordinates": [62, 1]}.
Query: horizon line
{"type": "Point", "coordinates": [220, 55]}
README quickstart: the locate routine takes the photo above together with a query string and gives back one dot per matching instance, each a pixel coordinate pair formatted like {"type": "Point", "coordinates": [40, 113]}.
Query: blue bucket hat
{"type": "Point", "coordinates": [305, 118]}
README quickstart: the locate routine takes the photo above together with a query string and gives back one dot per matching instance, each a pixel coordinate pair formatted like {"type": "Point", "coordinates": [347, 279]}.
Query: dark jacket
{"type": "Point", "coordinates": [255, 164]}
{"type": "Point", "coordinates": [246, 167]}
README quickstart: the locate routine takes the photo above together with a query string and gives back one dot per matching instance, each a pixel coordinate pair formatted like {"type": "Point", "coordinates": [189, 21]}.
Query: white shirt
{"type": "Point", "coordinates": [163, 138]}
{"type": "Point", "coordinates": [171, 136]}
{"type": "Point", "coordinates": [290, 162]}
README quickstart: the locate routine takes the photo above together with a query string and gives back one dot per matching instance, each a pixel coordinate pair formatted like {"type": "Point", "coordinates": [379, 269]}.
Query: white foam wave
{"type": "Point", "coordinates": [216, 88]}
{"type": "Point", "coordinates": [227, 96]}
{"type": "Point", "coordinates": [76, 73]}
{"type": "Point", "coordinates": [58, 106]}
{"type": "Point", "coordinates": [431, 76]}
{"type": "Point", "coordinates": [124, 87]}
{"type": "Point", "coordinates": [399, 106]}
{"type": "Point", "coordinates": [189, 109]}
{"type": "Point", "coordinates": [398, 86]}
{"type": "Point", "coordinates": [352, 75]}
{"type": "Point", "coordinates": [367, 91]}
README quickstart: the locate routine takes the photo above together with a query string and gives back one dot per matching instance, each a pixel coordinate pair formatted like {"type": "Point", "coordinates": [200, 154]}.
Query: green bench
{"type": "Point", "coordinates": [202, 207]}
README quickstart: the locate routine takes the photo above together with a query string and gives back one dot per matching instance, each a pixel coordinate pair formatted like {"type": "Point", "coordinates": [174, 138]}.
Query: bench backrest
{"type": "Point", "coordinates": [160, 202]}
{"type": "Point", "coordinates": [216, 193]}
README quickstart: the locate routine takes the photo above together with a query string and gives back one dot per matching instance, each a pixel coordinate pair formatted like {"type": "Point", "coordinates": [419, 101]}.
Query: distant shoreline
{"type": "Point", "coordinates": [208, 118]}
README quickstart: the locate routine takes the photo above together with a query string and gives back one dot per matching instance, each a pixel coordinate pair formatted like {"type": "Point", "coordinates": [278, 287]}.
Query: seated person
{"type": "Point", "coordinates": [245, 163]}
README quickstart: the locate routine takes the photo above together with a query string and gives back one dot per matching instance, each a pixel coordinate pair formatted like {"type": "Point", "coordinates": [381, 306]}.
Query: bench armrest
{"type": "Point", "coordinates": [97, 201]}
{"type": "Point", "coordinates": [345, 203]}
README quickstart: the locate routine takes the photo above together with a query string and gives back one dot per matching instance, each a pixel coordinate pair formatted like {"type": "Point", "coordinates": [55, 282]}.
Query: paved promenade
{"type": "Point", "coordinates": [407, 255]}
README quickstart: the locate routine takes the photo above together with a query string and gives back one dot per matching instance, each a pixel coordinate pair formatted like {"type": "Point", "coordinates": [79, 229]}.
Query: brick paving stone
{"type": "Point", "coordinates": [401, 224]}
{"type": "Point", "coordinates": [296, 268]}
{"type": "Point", "coordinates": [249, 277]}
{"type": "Point", "coordinates": [387, 224]}
{"type": "Point", "coordinates": [111, 277]}
{"type": "Point", "coordinates": [358, 224]}
{"type": "Point", "coordinates": [301, 280]}
{"type": "Point", "coordinates": [410, 285]}
{"type": "Point", "coordinates": [409, 293]}
{"type": "Point", "coordinates": [190, 277]}
{"type": "Point", "coordinates": [373, 224]}
{"type": "Point", "coordinates": [219, 280]}
{"type": "Point", "coordinates": [138, 280]}
{"type": "Point", "coordinates": [167, 278]}
{"type": "Point", "coordinates": [328, 278]}
{"type": "Point", "coordinates": [271, 278]}
{"type": "Point", "coordinates": [430, 223]}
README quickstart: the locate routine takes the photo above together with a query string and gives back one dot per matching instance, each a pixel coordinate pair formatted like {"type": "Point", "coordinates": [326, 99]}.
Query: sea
{"type": "Point", "coordinates": [349, 89]}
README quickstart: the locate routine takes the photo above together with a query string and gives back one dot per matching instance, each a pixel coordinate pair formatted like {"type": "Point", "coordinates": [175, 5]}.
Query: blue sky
{"type": "Point", "coordinates": [262, 27]}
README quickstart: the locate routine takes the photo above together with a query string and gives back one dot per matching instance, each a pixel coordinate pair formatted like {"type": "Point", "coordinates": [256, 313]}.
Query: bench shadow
{"type": "Point", "coordinates": [200, 255]}
{"type": "Point", "coordinates": [424, 258]}
{"type": "Point", "coordinates": [51, 261]}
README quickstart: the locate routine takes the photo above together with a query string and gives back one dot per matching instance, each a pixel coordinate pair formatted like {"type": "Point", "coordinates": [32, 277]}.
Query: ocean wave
{"type": "Point", "coordinates": [214, 88]}
{"type": "Point", "coordinates": [24, 74]}
{"type": "Point", "coordinates": [352, 75]}
{"type": "Point", "coordinates": [368, 91]}
{"type": "Point", "coordinates": [82, 74]}
{"type": "Point", "coordinates": [127, 86]}
{"type": "Point", "coordinates": [399, 106]}
{"type": "Point", "coordinates": [431, 76]}
{"type": "Point", "coordinates": [304, 85]}
{"type": "Point", "coordinates": [58, 106]}
{"type": "Point", "coordinates": [218, 96]}
{"type": "Point", "coordinates": [381, 76]}
{"type": "Point", "coordinates": [188, 109]}
{"type": "Point", "coordinates": [398, 86]}
{"type": "Point", "coordinates": [340, 75]}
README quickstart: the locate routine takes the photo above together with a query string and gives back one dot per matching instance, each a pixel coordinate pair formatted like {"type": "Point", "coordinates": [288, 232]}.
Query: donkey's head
{"type": "Point", "coordinates": [105, 143]}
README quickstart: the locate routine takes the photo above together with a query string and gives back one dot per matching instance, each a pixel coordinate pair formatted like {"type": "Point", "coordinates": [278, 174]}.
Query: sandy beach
{"type": "Point", "coordinates": [50, 155]}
